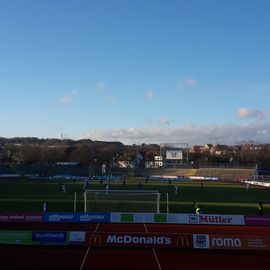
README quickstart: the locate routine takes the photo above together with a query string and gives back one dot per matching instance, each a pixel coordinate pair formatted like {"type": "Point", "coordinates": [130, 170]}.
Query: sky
{"type": "Point", "coordinates": [136, 71]}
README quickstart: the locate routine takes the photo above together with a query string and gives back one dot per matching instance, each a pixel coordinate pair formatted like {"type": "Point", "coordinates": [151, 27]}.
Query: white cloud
{"type": "Point", "coordinates": [110, 99]}
{"type": "Point", "coordinates": [150, 95]}
{"type": "Point", "coordinates": [164, 121]}
{"type": "Point", "coordinates": [66, 100]}
{"type": "Point", "coordinates": [188, 82]}
{"type": "Point", "coordinates": [101, 86]}
{"type": "Point", "coordinates": [225, 134]}
{"type": "Point", "coordinates": [244, 113]}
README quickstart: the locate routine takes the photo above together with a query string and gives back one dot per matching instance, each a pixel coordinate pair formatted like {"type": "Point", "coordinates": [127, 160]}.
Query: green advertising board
{"type": "Point", "coordinates": [15, 237]}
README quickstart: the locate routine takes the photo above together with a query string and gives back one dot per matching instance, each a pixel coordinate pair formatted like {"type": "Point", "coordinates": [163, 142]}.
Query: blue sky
{"type": "Point", "coordinates": [136, 71]}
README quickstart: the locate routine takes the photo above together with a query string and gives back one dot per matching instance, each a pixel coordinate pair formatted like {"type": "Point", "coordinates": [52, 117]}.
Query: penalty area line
{"type": "Point", "coordinates": [155, 254]}
{"type": "Point", "coordinates": [87, 251]}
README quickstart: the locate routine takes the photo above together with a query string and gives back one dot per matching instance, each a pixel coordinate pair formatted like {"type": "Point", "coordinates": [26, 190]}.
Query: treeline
{"type": "Point", "coordinates": [49, 151]}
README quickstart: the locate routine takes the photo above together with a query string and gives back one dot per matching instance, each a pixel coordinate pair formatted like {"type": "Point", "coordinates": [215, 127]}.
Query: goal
{"type": "Point", "coordinates": [142, 201]}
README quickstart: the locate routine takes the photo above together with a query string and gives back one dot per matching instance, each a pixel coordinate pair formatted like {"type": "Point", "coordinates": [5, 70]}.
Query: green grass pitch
{"type": "Point", "coordinates": [214, 198]}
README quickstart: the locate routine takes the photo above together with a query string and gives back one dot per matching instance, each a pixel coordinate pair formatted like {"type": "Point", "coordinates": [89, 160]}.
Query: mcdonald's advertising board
{"type": "Point", "coordinates": [180, 241]}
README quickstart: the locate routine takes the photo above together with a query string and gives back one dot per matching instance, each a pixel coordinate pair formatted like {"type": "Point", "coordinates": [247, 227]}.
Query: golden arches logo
{"type": "Point", "coordinates": [94, 239]}
{"type": "Point", "coordinates": [182, 241]}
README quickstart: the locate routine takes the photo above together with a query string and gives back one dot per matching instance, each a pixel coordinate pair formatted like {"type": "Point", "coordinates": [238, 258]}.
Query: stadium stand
{"type": "Point", "coordinates": [51, 170]}
{"type": "Point", "coordinates": [6, 170]}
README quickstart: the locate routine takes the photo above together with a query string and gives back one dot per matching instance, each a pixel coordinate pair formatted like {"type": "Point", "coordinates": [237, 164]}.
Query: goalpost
{"type": "Point", "coordinates": [140, 201]}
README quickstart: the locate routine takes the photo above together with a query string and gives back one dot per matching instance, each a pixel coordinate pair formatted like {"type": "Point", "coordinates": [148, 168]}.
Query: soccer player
{"type": "Point", "coordinates": [176, 187]}
{"type": "Point", "coordinates": [194, 207]}
{"type": "Point", "coordinates": [64, 188]}
{"type": "Point", "coordinates": [107, 187]}
{"type": "Point", "coordinates": [247, 186]}
{"type": "Point", "coordinates": [198, 209]}
{"type": "Point", "coordinates": [260, 208]}
{"type": "Point", "coordinates": [45, 207]}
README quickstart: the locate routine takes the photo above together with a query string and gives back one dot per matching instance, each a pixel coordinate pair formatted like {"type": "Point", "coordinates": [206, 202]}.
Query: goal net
{"type": "Point", "coordinates": [143, 201]}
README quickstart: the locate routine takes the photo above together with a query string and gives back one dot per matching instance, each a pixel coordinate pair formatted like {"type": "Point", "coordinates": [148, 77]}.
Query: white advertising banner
{"type": "Point", "coordinates": [206, 219]}
{"type": "Point", "coordinates": [174, 154]}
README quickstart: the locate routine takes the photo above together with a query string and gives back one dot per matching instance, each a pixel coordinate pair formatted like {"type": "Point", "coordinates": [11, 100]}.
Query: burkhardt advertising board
{"type": "Point", "coordinates": [180, 241]}
{"type": "Point", "coordinates": [49, 237]}
{"type": "Point", "coordinates": [206, 219]}
{"type": "Point", "coordinates": [230, 242]}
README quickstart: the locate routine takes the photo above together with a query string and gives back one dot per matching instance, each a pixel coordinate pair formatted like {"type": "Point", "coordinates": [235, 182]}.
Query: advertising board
{"type": "Point", "coordinates": [180, 241]}
{"type": "Point", "coordinates": [206, 219]}
{"type": "Point", "coordinates": [177, 218]}
{"type": "Point", "coordinates": [49, 237]}
{"type": "Point", "coordinates": [21, 217]}
{"type": "Point", "coordinates": [257, 220]}
{"type": "Point", "coordinates": [174, 154]}
{"type": "Point", "coordinates": [76, 217]}
{"type": "Point", "coordinates": [230, 242]}
{"type": "Point", "coordinates": [76, 238]}
{"type": "Point", "coordinates": [15, 237]}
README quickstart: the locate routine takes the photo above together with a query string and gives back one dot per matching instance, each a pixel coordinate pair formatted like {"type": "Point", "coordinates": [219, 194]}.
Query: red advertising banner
{"type": "Point", "coordinates": [257, 220]}
{"type": "Point", "coordinates": [180, 241]}
{"type": "Point", "coordinates": [230, 242]}
{"type": "Point", "coordinates": [21, 217]}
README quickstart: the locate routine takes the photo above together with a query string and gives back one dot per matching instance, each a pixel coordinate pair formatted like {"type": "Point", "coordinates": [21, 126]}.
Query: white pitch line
{"type": "Point", "coordinates": [155, 254]}
{"type": "Point", "coordinates": [86, 254]}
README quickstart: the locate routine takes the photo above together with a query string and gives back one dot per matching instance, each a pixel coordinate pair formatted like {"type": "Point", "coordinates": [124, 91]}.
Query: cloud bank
{"type": "Point", "coordinates": [250, 113]}
{"type": "Point", "coordinates": [66, 100]}
{"type": "Point", "coordinates": [225, 134]}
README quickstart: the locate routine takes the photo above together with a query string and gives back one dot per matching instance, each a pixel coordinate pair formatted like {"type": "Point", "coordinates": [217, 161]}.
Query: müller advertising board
{"type": "Point", "coordinates": [171, 218]}
{"type": "Point", "coordinates": [230, 242]}
{"type": "Point", "coordinates": [206, 219]}
{"type": "Point", "coordinates": [180, 241]}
